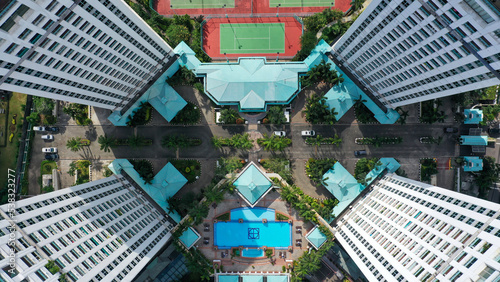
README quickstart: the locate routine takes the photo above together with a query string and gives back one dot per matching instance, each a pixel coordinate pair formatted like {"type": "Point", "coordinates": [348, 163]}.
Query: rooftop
{"type": "Point", "coordinates": [474, 140]}
{"type": "Point", "coordinates": [316, 237]}
{"type": "Point", "coordinates": [166, 183]}
{"type": "Point", "coordinates": [473, 116]}
{"type": "Point", "coordinates": [189, 237]}
{"type": "Point", "coordinates": [473, 164]}
{"type": "Point", "coordinates": [252, 184]}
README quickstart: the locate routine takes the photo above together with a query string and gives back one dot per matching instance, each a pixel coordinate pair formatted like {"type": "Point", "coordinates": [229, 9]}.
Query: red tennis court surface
{"type": "Point", "coordinates": [245, 8]}
{"type": "Point", "coordinates": [211, 36]}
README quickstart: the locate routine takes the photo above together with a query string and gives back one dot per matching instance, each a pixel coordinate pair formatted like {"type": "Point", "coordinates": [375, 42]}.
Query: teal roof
{"type": "Point", "coordinates": [252, 278]}
{"type": "Point", "coordinates": [166, 183]}
{"type": "Point", "coordinates": [277, 278]}
{"type": "Point", "coordinates": [160, 95]}
{"type": "Point", "coordinates": [228, 278]}
{"type": "Point", "coordinates": [341, 183]}
{"type": "Point", "coordinates": [189, 237]}
{"type": "Point", "coordinates": [251, 83]}
{"type": "Point", "coordinates": [474, 140]}
{"type": "Point", "coordinates": [187, 57]}
{"type": "Point", "coordinates": [346, 188]}
{"type": "Point", "coordinates": [342, 97]}
{"type": "Point", "coordinates": [473, 116]}
{"type": "Point", "coordinates": [252, 184]}
{"type": "Point", "coordinates": [316, 237]}
{"type": "Point", "coordinates": [473, 164]}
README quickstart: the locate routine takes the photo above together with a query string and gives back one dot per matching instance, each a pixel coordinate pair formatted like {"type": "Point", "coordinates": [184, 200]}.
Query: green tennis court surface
{"type": "Point", "coordinates": [252, 38]}
{"type": "Point", "coordinates": [201, 4]}
{"type": "Point", "coordinates": [301, 3]}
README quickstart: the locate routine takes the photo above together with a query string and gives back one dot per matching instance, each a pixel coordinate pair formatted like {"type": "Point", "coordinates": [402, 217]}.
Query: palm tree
{"type": "Point", "coordinates": [357, 5]}
{"type": "Point", "coordinates": [106, 143]}
{"type": "Point", "coordinates": [280, 143]}
{"type": "Point", "coordinates": [74, 144]}
{"type": "Point", "coordinates": [402, 115]}
{"type": "Point", "coordinates": [217, 142]}
{"type": "Point", "coordinates": [336, 140]}
{"type": "Point", "coordinates": [266, 142]}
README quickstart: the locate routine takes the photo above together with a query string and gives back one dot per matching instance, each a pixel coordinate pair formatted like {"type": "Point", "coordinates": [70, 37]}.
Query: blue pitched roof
{"type": "Point", "coordinates": [252, 278]}
{"type": "Point", "coordinates": [474, 140]}
{"type": "Point", "coordinates": [189, 237]}
{"type": "Point", "coordinates": [316, 237]}
{"type": "Point", "coordinates": [252, 184]}
{"type": "Point", "coordinates": [473, 164]}
{"type": "Point", "coordinates": [166, 183]}
{"type": "Point", "coordinates": [473, 116]}
{"type": "Point", "coordinates": [277, 278]}
{"type": "Point", "coordinates": [342, 97]}
{"type": "Point", "coordinates": [228, 278]}
{"type": "Point", "coordinates": [160, 95]}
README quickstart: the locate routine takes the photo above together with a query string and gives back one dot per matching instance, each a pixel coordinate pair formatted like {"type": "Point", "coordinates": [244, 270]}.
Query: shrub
{"type": "Point", "coordinates": [140, 116]}
{"type": "Point", "coordinates": [50, 119]}
{"type": "Point", "coordinates": [190, 114]}
{"type": "Point", "coordinates": [11, 136]}
{"type": "Point", "coordinates": [239, 121]}
{"type": "Point", "coordinates": [316, 168]}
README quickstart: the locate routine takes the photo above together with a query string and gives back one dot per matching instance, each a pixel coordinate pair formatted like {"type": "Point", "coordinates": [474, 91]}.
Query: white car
{"type": "Point", "coordinates": [280, 133]}
{"type": "Point", "coordinates": [308, 133]}
{"type": "Point", "coordinates": [48, 137]}
{"type": "Point", "coordinates": [39, 128]}
{"type": "Point", "coordinates": [49, 150]}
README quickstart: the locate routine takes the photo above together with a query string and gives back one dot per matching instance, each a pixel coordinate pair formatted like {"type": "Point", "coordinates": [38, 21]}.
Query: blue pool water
{"type": "Point", "coordinates": [252, 233]}
{"type": "Point", "coordinates": [255, 214]}
{"type": "Point", "coordinates": [252, 253]}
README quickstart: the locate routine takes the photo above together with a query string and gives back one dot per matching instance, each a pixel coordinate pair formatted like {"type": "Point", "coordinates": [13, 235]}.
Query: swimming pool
{"type": "Point", "coordinates": [252, 253]}
{"type": "Point", "coordinates": [252, 232]}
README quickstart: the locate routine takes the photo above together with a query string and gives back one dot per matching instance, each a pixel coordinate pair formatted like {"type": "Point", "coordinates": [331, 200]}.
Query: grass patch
{"type": "Point", "coordinates": [82, 168]}
{"type": "Point", "coordinates": [224, 217]}
{"type": "Point", "coordinates": [279, 216]}
{"type": "Point", "coordinates": [48, 166]}
{"type": "Point", "coordinates": [189, 168]}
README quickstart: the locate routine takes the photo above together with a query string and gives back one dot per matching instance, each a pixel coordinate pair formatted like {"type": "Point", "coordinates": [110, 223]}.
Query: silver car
{"type": "Point", "coordinates": [48, 137]}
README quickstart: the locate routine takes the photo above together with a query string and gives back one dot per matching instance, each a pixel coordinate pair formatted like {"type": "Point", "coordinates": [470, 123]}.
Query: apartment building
{"type": "Point", "coordinates": [405, 230]}
{"type": "Point", "coordinates": [105, 230]}
{"type": "Point", "coordinates": [95, 52]}
{"type": "Point", "coordinates": [408, 51]}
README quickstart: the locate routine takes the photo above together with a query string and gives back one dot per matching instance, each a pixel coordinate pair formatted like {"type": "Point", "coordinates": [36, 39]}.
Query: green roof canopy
{"type": "Point", "coordinates": [252, 184]}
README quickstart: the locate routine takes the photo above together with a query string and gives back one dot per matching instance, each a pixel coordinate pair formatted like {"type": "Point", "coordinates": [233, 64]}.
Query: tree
{"type": "Point", "coordinates": [106, 143]}
{"type": "Point", "coordinates": [316, 168]}
{"type": "Point", "coordinates": [43, 105]}
{"type": "Point", "coordinates": [33, 118]}
{"type": "Point", "coordinates": [488, 176]}
{"type": "Point", "coordinates": [276, 115]}
{"type": "Point", "coordinates": [321, 73]}
{"type": "Point", "coordinates": [74, 144]}
{"type": "Point", "coordinates": [228, 116]}
{"type": "Point", "coordinates": [402, 115]}
{"type": "Point", "coordinates": [317, 111]}
{"type": "Point", "coordinates": [177, 33]}
{"type": "Point", "coordinates": [136, 141]}
{"type": "Point", "coordinates": [357, 5]}
{"type": "Point", "coordinates": [274, 143]}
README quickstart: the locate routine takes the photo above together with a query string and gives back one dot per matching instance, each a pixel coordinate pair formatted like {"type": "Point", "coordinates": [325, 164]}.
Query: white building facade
{"type": "Point", "coordinates": [104, 230]}
{"type": "Point", "coordinates": [405, 230]}
{"type": "Point", "coordinates": [408, 51]}
{"type": "Point", "coordinates": [96, 52]}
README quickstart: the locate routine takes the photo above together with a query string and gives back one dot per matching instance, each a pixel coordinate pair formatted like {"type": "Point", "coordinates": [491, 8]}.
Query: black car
{"type": "Point", "coordinates": [51, 157]}
{"type": "Point", "coordinates": [52, 128]}
{"type": "Point", "coordinates": [450, 130]}
{"type": "Point", "coordinates": [360, 153]}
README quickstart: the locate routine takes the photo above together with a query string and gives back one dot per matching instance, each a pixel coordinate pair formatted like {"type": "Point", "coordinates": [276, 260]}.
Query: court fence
{"type": "Point", "coordinates": [251, 15]}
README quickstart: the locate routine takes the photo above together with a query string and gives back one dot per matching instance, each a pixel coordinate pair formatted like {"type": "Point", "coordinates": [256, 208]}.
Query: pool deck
{"type": "Point", "coordinates": [239, 264]}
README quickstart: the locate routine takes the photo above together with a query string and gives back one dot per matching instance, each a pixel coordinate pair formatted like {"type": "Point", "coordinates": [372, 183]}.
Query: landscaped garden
{"type": "Point", "coordinates": [428, 167]}
{"type": "Point", "coordinates": [140, 116]}
{"type": "Point", "coordinates": [378, 141]}
{"type": "Point", "coordinates": [320, 140]}
{"type": "Point", "coordinates": [280, 166]}
{"type": "Point", "coordinates": [229, 116]}
{"type": "Point", "coordinates": [190, 114]}
{"type": "Point", "coordinates": [274, 142]}
{"type": "Point", "coordinates": [237, 141]}
{"type": "Point", "coordinates": [362, 113]}
{"type": "Point", "coordinates": [363, 167]}
{"type": "Point", "coordinates": [275, 115]}
{"type": "Point", "coordinates": [318, 112]}
{"type": "Point", "coordinates": [179, 141]}
{"type": "Point", "coordinates": [81, 170]}
{"type": "Point", "coordinates": [144, 168]}
{"type": "Point", "coordinates": [430, 112]}
{"type": "Point", "coordinates": [78, 112]}
{"type": "Point", "coordinates": [316, 168]}
{"type": "Point", "coordinates": [191, 169]}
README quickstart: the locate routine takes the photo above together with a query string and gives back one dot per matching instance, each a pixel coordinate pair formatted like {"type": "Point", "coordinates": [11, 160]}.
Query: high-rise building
{"type": "Point", "coordinates": [105, 230]}
{"type": "Point", "coordinates": [405, 230]}
{"type": "Point", "coordinates": [407, 51]}
{"type": "Point", "coordinates": [96, 52]}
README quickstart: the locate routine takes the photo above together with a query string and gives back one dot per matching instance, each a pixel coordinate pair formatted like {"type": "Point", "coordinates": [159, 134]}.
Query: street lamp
{"type": "Point", "coordinates": [225, 11]}
{"type": "Point", "coordinates": [331, 5]}
{"type": "Point", "coordinates": [172, 8]}
{"type": "Point", "coordinates": [277, 57]}
{"type": "Point", "coordinates": [278, 12]}
{"type": "Point", "coordinates": [227, 60]}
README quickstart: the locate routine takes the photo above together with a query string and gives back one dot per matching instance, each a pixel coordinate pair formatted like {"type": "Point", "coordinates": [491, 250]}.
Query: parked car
{"type": "Point", "coordinates": [51, 157]}
{"type": "Point", "coordinates": [49, 150]}
{"type": "Point", "coordinates": [308, 133]}
{"type": "Point", "coordinates": [52, 128]}
{"type": "Point", "coordinates": [39, 128]}
{"type": "Point", "coordinates": [48, 137]}
{"type": "Point", "coordinates": [360, 153]}
{"type": "Point", "coordinates": [280, 133]}
{"type": "Point", "coordinates": [450, 130]}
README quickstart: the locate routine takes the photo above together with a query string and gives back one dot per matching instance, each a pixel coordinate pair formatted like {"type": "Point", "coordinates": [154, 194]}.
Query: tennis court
{"type": "Point", "coordinates": [250, 38]}
{"type": "Point", "coordinates": [301, 3]}
{"type": "Point", "coordinates": [201, 4]}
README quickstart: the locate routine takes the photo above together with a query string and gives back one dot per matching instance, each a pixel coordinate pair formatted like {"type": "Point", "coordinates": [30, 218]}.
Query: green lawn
{"type": "Point", "coordinates": [201, 4]}
{"type": "Point", "coordinates": [9, 152]}
{"type": "Point", "coordinates": [47, 166]}
{"type": "Point", "coordinates": [252, 38]}
{"type": "Point", "coordinates": [301, 3]}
